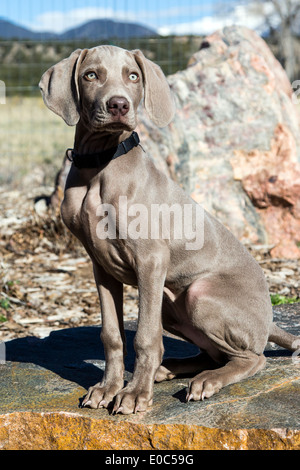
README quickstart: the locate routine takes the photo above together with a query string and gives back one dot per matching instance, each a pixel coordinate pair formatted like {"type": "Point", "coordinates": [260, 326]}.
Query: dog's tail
{"type": "Point", "coordinates": [283, 338]}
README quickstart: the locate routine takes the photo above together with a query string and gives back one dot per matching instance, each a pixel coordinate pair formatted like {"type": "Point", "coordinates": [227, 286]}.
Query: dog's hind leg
{"type": "Point", "coordinates": [173, 314]}
{"type": "Point", "coordinates": [186, 366]}
{"type": "Point", "coordinates": [207, 383]}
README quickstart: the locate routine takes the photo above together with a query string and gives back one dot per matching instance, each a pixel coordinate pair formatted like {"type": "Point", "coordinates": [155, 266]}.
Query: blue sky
{"type": "Point", "coordinates": [166, 16]}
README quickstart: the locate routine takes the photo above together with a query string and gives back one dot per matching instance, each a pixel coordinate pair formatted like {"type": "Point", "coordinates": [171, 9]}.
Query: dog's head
{"type": "Point", "coordinates": [104, 85]}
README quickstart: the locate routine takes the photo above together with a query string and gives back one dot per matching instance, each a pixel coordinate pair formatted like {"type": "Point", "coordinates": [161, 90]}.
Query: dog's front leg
{"type": "Point", "coordinates": [113, 339]}
{"type": "Point", "coordinates": [137, 395]}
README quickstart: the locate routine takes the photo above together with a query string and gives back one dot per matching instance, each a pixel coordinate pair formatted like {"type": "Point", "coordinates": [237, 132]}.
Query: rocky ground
{"type": "Point", "coordinates": [46, 280]}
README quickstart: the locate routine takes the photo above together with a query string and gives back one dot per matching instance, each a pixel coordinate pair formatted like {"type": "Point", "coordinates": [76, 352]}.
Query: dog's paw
{"type": "Point", "coordinates": [100, 396]}
{"type": "Point", "coordinates": [163, 373]}
{"type": "Point", "coordinates": [130, 401]}
{"type": "Point", "coordinates": [204, 385]}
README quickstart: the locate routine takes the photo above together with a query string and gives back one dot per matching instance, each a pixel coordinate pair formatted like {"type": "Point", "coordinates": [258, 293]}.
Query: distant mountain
{"type": "Point", "coordinates": [9, 30]}
{"type": "Point", "coordinates": [103, 29]}
{"type": "Point", "coordinates": [93, 30]}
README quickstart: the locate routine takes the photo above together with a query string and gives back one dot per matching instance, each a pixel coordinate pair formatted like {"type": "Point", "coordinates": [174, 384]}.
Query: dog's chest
{"type": "Point", "coordinates": [81, 210]}
{"type": "Point", "coordinates": [92, 221]}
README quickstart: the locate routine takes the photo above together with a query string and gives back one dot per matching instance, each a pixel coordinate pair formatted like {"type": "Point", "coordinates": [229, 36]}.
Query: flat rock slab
{"type": "Point", "coordinates": [43, 382]}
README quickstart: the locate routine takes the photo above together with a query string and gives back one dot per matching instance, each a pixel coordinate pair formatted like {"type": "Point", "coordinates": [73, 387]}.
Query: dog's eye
{"type": "Point", "coordinates": [91, 76]}
{"type": "Point", "coordinates": [133, 77]}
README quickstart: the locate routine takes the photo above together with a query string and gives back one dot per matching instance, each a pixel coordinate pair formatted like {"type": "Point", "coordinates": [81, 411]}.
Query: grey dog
{"type": "Point", "coordinates": [215, 296]}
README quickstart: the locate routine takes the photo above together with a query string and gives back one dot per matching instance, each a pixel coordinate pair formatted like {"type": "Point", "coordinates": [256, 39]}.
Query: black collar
{"type": "Point", "coordinates": [95, 160]}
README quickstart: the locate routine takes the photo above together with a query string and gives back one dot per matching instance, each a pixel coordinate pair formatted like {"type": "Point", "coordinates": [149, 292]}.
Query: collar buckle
{"type": "Point", "coordinates": [136, 138]}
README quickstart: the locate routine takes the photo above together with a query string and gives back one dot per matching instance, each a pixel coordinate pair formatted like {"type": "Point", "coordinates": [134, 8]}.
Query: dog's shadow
{"type": "Point", "coordinates": [77, 354]}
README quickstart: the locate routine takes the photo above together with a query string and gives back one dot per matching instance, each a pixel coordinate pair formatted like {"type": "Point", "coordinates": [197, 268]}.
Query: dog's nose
{"type": "Point", "coordinates": [118, 105]}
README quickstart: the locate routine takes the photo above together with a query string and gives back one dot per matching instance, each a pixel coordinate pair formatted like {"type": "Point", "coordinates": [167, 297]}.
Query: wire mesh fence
{"type": "Point", "coordinates": [31, 137]}
{"type": "Point", "coordinates": [44, 32]}
{"type": "Point", "coordinates": [40, 35]}
{"type": "Point", "coordinates": [23, 62]}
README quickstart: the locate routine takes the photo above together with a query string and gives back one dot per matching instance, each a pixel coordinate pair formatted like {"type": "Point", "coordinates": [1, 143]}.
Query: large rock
{"type": "Point", "coordinates": [234, 142]}
{"type": "Point", "coordinates": [43, 382]}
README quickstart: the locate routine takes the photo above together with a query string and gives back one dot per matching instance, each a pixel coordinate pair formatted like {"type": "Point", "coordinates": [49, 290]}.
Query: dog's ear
{"type": "Point", "coordinates": [59, 87]}
{"type": "Point", "coordinates": [158, 100]}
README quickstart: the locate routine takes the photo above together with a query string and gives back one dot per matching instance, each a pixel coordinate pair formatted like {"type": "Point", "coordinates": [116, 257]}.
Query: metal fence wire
{"type": "Point", "coordinates": [24, 61]}
{"type": "Point", "coordinates": [44, 32]}
{"type": "Point", "coordinates": [24, 56]}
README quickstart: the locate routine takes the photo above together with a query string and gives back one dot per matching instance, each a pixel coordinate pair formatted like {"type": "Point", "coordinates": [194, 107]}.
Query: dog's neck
{"type": "Point", "coordinates": [87, 141]}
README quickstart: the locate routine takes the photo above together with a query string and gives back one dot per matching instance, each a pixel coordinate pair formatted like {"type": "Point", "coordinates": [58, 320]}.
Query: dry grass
{"type": "Point", "coordinates": [31, 136]}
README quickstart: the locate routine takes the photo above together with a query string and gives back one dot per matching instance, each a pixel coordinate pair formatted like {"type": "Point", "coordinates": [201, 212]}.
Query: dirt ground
{"type": "Point", "coordinates": [46, 279]}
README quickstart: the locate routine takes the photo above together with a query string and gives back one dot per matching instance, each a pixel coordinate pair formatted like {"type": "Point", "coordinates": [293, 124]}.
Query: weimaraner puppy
{"type": "Point", "coordinates": [212, 293]}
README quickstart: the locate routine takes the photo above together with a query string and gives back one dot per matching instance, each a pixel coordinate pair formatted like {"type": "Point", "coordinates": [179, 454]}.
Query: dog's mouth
{"type": "Point", "coordinates": [114, 123]}
{"type": "Point", "coordinates": [115, 126]}
{"type": "Point", "coordinates": [118, 119]}
{"type": "Point", "coordinates": [100, 118]}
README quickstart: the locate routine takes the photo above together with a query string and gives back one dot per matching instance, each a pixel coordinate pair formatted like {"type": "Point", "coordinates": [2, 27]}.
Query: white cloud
{"type": "Point", "coordinates": [58, 21]}
{"type": "Point", "coordinates": [251, 15]}
{"type": "Point", "coordinates": [204, 26]}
